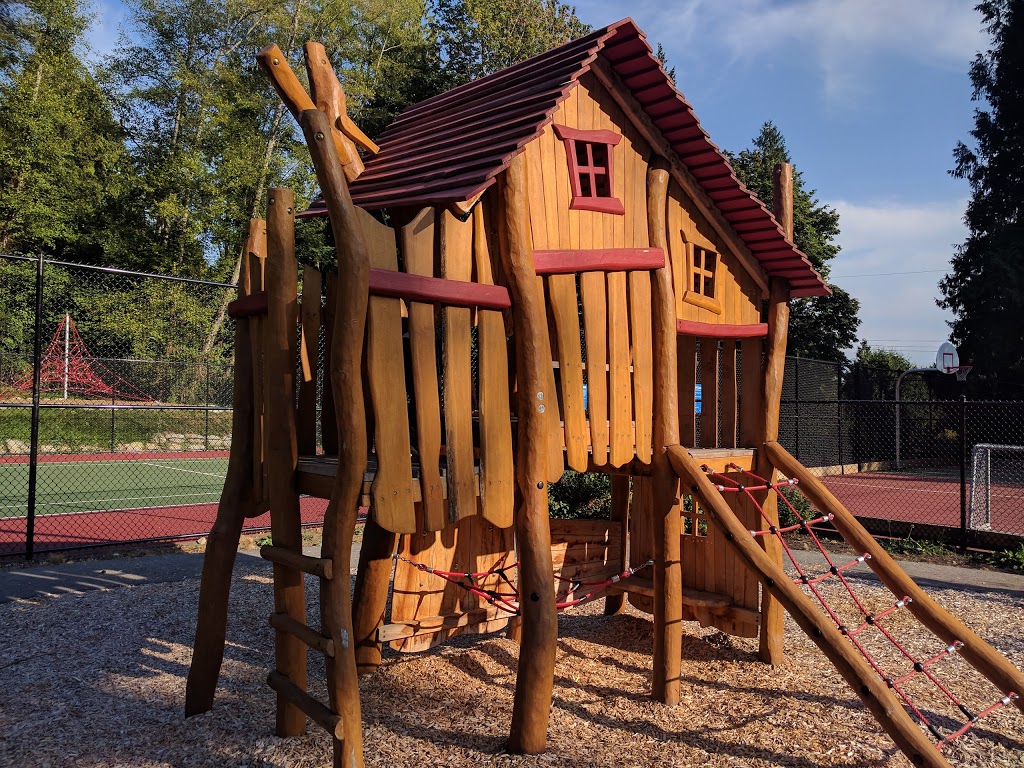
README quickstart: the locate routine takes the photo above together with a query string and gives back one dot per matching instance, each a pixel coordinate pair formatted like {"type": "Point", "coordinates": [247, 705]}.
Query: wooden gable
{"type": "Point", "coordinates": [556, 226]}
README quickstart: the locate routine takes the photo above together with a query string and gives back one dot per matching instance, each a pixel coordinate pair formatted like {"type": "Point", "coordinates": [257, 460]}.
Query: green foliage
{"type": "Point", "coordinates": [800, 504]}
{"type": "Point", "coordinates": [985, 286]}
{"type": "Point", "coordinates": [916, 547]}
{"type": "Point", "coordinates": [1011, 559]}
{"type": "Point", "coordinates": [265, 541]}
{"type": "Point", "coordinates": [819, 327]}
{"type": "Point", "coordinates": [477, 37]}
{"type": "Point", "coordinates": [580, 495]}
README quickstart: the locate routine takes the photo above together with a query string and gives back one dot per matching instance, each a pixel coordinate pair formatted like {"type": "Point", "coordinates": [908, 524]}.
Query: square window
{"type": "Point", "coordinates": [702, 281]}
{"type": "Point", "coordinates": [589, 159]}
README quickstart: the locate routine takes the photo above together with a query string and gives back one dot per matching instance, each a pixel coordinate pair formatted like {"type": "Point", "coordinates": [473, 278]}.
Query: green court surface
{"type": "Point", "coordinates": [90, 486]}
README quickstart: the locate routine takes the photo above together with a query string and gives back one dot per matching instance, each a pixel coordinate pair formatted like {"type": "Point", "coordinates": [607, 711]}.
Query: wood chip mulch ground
{"type": "Point", "coordinates": [98, 680]}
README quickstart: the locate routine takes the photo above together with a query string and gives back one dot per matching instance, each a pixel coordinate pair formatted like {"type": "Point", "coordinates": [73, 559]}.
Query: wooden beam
{"type": "Point", "coordinates": [437, 290]}
{"type": "Point", "coordinates": [430, 624]}
{"type": "Point", "coordinates": [721, 331]}
{"type": "Point", "coordinates": [248, 306]}
{"type": "Point", "coordinates": [314, 566]}
{"type": "Point", "coordinates": [598, 260]}
{"type": "Point", "coordinates": [851, 665]}
{"type": "Point", "coordinates": [306, 634]}
{"type": "Point", "coordinates": [305, 703]}
{"type": "Point", "coordinates": [636, 113]}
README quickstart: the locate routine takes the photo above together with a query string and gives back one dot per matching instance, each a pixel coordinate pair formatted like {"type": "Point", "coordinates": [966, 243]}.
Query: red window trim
{"type": "Point", "coordinates": [580, 202]}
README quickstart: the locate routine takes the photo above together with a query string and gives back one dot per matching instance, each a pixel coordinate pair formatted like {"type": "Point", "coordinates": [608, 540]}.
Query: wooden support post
{"type": "Point", "coordinates": [535, 678]}
{"type": "Point", "coordinates": [282, 453]}
{"type": "Point", "coordinates": [312, 287]}
{"type": "Point", "coordinates": [236, 503]}
{"type": "Point", "coordinates": [347, 386]}
{"type": "Point", "coordinates": [371, 593]}
{"type": "Point", "coordinates": [772, 619]}
{"type": "Point", "coordinates": [851, 665]}
{"type": "Point", "coordinates": [616, 602]}
{"type": "Point", "coordinates": [668, 577]}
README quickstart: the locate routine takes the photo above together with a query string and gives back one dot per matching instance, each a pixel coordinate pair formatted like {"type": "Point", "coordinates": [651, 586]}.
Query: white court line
{"type": "Point", "coordinates": [181, 469]}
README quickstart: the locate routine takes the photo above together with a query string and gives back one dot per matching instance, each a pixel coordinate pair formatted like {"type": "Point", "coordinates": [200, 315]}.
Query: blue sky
{"type": "Point", "coordinates": [871, 96]}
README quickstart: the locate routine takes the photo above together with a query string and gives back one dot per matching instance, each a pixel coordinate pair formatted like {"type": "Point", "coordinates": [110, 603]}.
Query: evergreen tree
{"type": "Point", "coordinates": [985, 286]}
{"type": "Point", "coordinates": [821, 327]}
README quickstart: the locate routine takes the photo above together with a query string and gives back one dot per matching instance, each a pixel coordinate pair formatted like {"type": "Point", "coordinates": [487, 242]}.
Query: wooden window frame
{"type": "Point", "coordinates": [698, 297]}
{"type": "Point", "coordinates": [593, 202]}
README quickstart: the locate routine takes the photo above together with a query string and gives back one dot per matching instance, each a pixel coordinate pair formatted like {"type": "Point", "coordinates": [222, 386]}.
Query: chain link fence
{"type": "Point", "coordinates": [115, 405]}
{"type": "Point", "coordinates": [947, 470]}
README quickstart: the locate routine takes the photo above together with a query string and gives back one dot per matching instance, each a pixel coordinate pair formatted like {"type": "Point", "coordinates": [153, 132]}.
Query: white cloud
{"type": "Point", "coordinates": [898, 311]}
{"type": "Point", "coordinates": [843, 39]}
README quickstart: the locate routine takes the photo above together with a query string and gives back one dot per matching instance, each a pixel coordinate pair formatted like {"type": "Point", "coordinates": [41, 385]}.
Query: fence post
{"type": "Point", "coordinates": [963, 472]}
{"type": "Point", "coordinates": [206, 442]}
{"type": "Point", "coordinates": [796, 392]}
{"type": "Point", "coordinates": [839, 417]}
{"type": "Point", "coordinates": [113, 414]}
{"type": "Point", "coordinates": [33, 458]}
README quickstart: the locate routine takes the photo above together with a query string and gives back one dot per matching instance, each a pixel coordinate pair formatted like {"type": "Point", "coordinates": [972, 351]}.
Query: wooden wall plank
{"type": "Point", "coordinates": [751, 405]}
{"type": "Point", "coordinates": [392, 490]}
{"type": "Point", "coordinates": [595, 324]}
{"type": "Point", "coordinates": [620, 398]}
{"type": "Point", "coordinates": [497, 481]}
{"type": "Point", "coordinates": [418, 243]}
{"type": "Point", "coordinates": [565, 309]}
{"type": "Point", "coordinates": [728, 438]}
{"type": "Point", "coordinates": [538, 210]}
{"type": "Point", "coordinates": [457, 264]}
{"type": "Point", "coordinates": [709, 393]}
{"type": "Point", "coordinates": [686, 362]}
{"type": "Point", "coordinates": [643, 362]}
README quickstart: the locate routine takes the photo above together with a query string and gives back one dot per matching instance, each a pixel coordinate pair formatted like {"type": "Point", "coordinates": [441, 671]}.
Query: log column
{"type": "Point", "coordinates": [281, 446]}
{"type": "Point", "coordinates": [668, 576]}
{"type": "Point", "coordinates": [772, 617]}
{"type": "Point", "coordinates": [535, 678]}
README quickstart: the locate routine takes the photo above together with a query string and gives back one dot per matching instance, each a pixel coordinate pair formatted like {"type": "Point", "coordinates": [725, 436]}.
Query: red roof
{"type": "Point", "coordinates": [452, 147]}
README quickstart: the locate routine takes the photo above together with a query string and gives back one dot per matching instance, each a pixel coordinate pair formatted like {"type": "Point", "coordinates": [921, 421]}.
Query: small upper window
{"type": "Point", "coordinates": [702, 284]}
{"type": "Point", "coordinates": [589, 155]}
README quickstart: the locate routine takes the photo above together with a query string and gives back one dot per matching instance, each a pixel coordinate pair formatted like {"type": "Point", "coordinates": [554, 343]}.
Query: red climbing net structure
{"type": "Point", "coordinates": [68, 368]}
{"type": "Point", "coordinates": [504, 595]}
{"type": "Point", "coordinates": [873, 633]}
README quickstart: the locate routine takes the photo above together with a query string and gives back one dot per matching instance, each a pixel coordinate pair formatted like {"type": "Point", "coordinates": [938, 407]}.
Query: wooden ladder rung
{"type": "Point", "coordinates": [314, 566]}
{"type": "Point", "coordinates": [308, 635]}
{"type": "Point", "coordinates": [314, 710]}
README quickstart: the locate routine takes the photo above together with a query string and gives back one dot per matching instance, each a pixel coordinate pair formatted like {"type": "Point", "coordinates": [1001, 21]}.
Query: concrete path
{"type": "Point", "coordinates": [54, 580]}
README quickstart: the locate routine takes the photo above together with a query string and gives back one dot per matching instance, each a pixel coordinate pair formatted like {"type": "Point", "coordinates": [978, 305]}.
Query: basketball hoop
{"type": "Point", "coordinates": [961, 371]}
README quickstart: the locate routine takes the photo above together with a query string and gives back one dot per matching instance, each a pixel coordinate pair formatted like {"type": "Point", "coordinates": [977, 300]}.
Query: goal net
{"type": "Point", "coordinates": [997, 487]}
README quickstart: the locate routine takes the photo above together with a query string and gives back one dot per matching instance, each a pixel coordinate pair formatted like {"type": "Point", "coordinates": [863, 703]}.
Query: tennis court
{"type": "Point", "coordinates": [95, 499]}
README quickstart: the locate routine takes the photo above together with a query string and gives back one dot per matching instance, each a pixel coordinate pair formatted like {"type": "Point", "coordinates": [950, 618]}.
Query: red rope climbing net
{"type": "Point", "coordinates": [67, 366]}
{"type": "Point", "coordinates": [868, 621]}
{"type": "Point", "coordinates": [505, 595]}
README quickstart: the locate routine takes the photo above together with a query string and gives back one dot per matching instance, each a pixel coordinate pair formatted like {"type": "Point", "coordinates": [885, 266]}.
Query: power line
{"type": "Point", "coordinates": [887, 274]}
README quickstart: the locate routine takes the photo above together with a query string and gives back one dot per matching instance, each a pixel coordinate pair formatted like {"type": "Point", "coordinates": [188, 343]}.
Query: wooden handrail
{"type": "Point", "coordinates": [597, 260]}
{"type": "Point", "coordinates": [721, 331]}
{"type": "Point", "coordinates": [248, 306]}
{"type": "Point", "coordinates": [437, 290]}
{"type": "Point", "coordinates": [979, 654]}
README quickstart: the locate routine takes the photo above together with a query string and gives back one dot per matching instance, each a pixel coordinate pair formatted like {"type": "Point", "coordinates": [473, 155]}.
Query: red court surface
{"type": "Point", "coordinates": [911, 498]}
{"type": "Point", "coordinates": [88, 529]}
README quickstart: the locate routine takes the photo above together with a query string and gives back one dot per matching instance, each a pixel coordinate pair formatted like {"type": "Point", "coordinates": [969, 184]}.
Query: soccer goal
{"type": "Point", "coordinates": [997, 476]}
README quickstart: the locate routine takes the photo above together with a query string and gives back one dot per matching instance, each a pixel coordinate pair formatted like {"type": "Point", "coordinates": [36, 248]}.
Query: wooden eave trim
{"type": "Point", "coordinates": [437, 290]}
{"type": "Point", "coordinates": [721, 331]}
{"type": "Point", "coordinates": [565, 262]}
{"type": "Point", "coordinates": [638, 116]}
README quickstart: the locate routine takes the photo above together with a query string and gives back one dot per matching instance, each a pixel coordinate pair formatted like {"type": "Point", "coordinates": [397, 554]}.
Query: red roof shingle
{"type": "Point", "coordinates": [451, 147]}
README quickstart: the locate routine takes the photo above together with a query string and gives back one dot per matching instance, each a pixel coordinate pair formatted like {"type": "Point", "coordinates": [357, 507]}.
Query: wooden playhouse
{"type": "Point", "coordinates": [537, 271]}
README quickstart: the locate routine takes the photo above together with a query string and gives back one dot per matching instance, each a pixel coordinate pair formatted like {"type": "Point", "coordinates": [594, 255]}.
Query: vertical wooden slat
{"type": "Point", "coordinates": [328, 422]}
{"type": "Point", "coordinates": [643, 376]}
{"type": "Point", "coordinates": [418, 239]}
{"type": "Point", "coordinates": [312, 288]}
{"type": "Point", "coordinates": [282, 452]}
{"type": "Point", "coordinates": [751, 392]}
{"type": "Point", "coordinates": [257, 256]}
{"type": "Point", "coordinates": [497, 480]}
{"type": "Point", "coordinates": [728, 439]}
{"type": "Point", "coordinates": [457, 264]}
{"type": "Point", "coordinates": [709, 393]}
{"type": "Point", "coordinates": [595, 324]}
{"type": "Point", "coordinates": [620, 516]}
{"type": "Point", "coordinates": [620, 397]}
{"type": "Point", "coordinates": [564, 308]}
{"type": "Point", "coordinates": [391, 494]}
{"type": "Point", "coordinates": [686, 360]}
